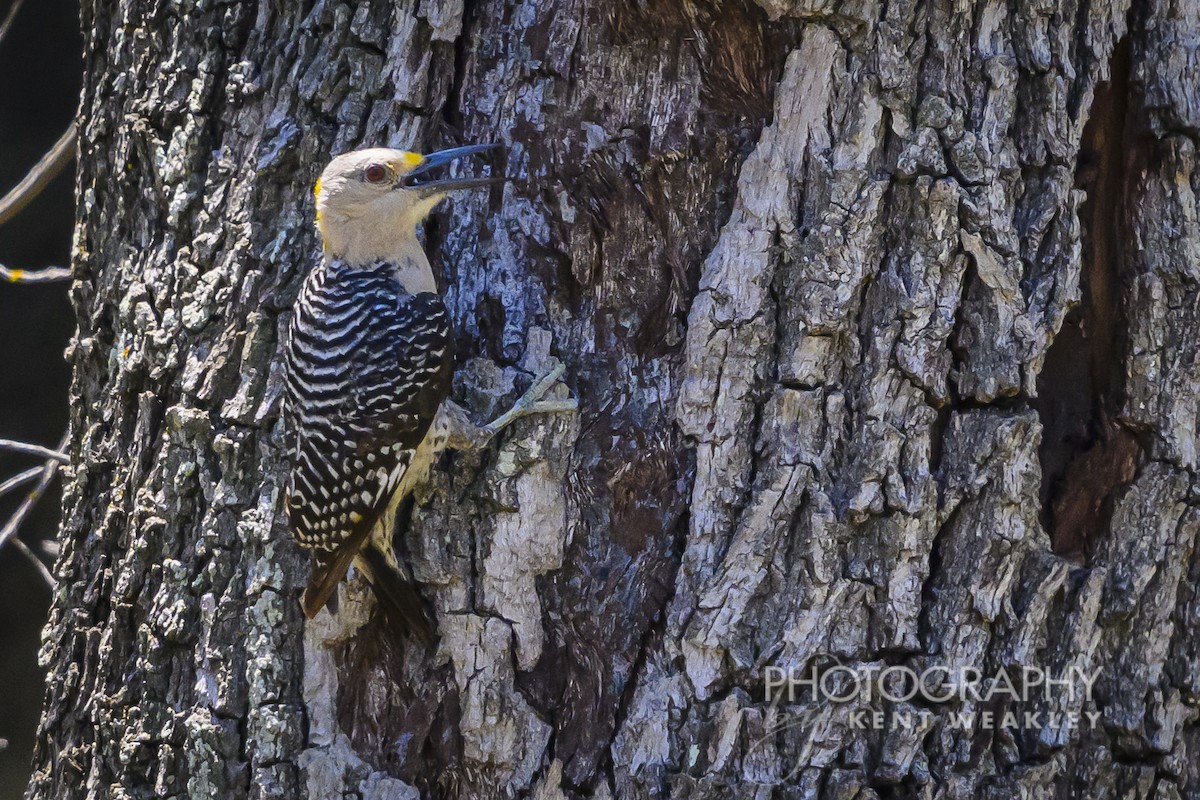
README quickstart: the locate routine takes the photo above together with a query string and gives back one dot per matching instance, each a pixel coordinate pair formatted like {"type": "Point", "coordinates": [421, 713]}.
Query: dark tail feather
{"type": "Point", "coordinates": [398, 597]}
{"type": "Point", "coordinates": [327, 572]}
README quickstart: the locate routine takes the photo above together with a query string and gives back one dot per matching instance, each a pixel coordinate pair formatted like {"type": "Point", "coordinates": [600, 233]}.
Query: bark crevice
{"type": "Point", "coordinates": [1087, 454]}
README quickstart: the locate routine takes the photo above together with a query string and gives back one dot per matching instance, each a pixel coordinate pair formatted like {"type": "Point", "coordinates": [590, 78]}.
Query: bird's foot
{"type": "Point", "coordinates": [461, 433]}
{"type": "Point", "coordinates": [532, 403]}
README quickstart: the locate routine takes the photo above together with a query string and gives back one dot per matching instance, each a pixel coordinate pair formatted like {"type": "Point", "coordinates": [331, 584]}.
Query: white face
{"type": "Point", "coordinates": [369, 202]}
{"type": "Point", "coordinates": [368, 184]}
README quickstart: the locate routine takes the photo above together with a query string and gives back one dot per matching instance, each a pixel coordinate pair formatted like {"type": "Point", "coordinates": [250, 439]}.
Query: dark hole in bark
{"type": "Point", "coordinates": [489, 318]}
{"type": "Point", "coordinates": [1086, 454]}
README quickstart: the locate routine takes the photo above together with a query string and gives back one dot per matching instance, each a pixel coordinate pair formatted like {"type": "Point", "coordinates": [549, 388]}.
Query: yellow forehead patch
{"type": "Point", "coordinates": [317, 189]}
{"type": "Point", "coordinates": [411, 160]}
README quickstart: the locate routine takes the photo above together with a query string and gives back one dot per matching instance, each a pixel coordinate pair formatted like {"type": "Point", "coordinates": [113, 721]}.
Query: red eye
{"type": "Point", "coordinates": [375, 173]}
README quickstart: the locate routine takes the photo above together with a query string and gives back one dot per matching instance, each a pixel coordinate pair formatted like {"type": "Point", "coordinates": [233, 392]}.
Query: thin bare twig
{"type": "Point", "coordinates": [49, 470]}
{"type": "Point", "coordinates": [42, 173]}
{"type": "Point", "coordinates": [51, 548]}
{"type": "Point", "coordinates": [8, 21]}
{"type": "Point", "coordinates": [47, 275]}
{"type": "Point", "coordinates": [19, 479]}
{"type": "Point", "coordinates": [33, 450]}
{"type": "Point", "coordinates": [30, 187]}
{"type": "Point", "coordinates": [24, 550]}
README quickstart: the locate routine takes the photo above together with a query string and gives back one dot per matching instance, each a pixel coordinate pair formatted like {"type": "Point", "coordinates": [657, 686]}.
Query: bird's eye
{"type": "Point", "coordinates": [375, 173]}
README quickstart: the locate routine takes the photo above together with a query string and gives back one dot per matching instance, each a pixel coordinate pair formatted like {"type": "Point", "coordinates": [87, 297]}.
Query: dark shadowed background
{"type": "Point", "coordinates": [40, 62]}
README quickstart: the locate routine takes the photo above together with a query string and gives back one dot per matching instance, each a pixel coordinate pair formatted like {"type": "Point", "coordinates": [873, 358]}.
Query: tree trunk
{"type": "Point", "coordinates": [883, 319]}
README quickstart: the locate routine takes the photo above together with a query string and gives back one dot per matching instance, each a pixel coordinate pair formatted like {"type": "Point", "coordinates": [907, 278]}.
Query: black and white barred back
{"type": "Point", "coordinates": [367, 367]}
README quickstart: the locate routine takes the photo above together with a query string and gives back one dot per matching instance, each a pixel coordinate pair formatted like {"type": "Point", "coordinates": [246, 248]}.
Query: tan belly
{"type": "Point", "coordinates": [417, 474]}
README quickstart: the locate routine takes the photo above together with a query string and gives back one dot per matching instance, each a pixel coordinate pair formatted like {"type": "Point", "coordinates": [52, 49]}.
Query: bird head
{"type": "Point", "coordinates": [367, 198]}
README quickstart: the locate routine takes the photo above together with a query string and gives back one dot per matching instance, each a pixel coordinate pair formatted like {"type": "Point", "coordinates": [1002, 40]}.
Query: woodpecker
{"type": "Point", "coordinates": [369, 361]}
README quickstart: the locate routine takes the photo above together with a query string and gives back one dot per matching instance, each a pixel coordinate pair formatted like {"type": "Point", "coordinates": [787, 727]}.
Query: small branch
{"type": "Point", "coordinates": [33, 450]}
{"type": "Point", "coordinates": [8, 21]}
{"type": "Point", "coordinates": [42, 173]}
{"type": "Point", "coordinates": [48, 470]}
{"type": "Point", "coordinates": [47, 275]}
{"type": "Point", "coordinates": [19, 479]}
{"type": "Point", "coordinates": [24, 550]}
{"type": "Point", "coordinates": [51, 549]}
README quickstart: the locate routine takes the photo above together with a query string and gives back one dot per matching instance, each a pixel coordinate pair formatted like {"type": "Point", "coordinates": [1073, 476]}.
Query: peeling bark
{"type": "Point", "coordinates": [883, 320]}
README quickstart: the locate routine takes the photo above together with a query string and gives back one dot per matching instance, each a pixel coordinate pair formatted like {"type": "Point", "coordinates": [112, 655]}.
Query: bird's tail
{"type": "Point", "coordinates": [397, 595]}
{"type": "Point", "coordinates": [328, 569]}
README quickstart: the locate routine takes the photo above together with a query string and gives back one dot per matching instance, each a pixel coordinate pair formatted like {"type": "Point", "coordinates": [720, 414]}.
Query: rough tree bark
{"type": "Point", "coordinates": [883, 317]}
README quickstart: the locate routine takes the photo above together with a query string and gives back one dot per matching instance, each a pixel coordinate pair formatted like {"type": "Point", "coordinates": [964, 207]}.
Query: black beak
{"type": "Point", "coordinates": [420, 179]}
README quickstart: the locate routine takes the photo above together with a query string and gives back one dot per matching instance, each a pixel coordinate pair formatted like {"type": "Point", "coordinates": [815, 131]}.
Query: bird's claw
{"type": "Point", "coordinates": [554, 406]}
{"type": "Point", "coordinates": [532, 403]}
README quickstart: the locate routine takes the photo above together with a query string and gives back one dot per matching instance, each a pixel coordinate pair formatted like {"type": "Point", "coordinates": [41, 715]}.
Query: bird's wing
{"type": "Point", "coordinates": [379, 379]}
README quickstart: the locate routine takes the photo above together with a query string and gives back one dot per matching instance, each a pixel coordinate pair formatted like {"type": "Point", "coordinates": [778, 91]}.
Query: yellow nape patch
{"type": "Point", "coordinates": [411, 160]}
{"type": "Point", "coordinates": [317, 198]}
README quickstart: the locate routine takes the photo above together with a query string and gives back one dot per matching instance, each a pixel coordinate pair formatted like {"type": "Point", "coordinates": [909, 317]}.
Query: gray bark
{"type": "Point", "coordinates": [883, 318]}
